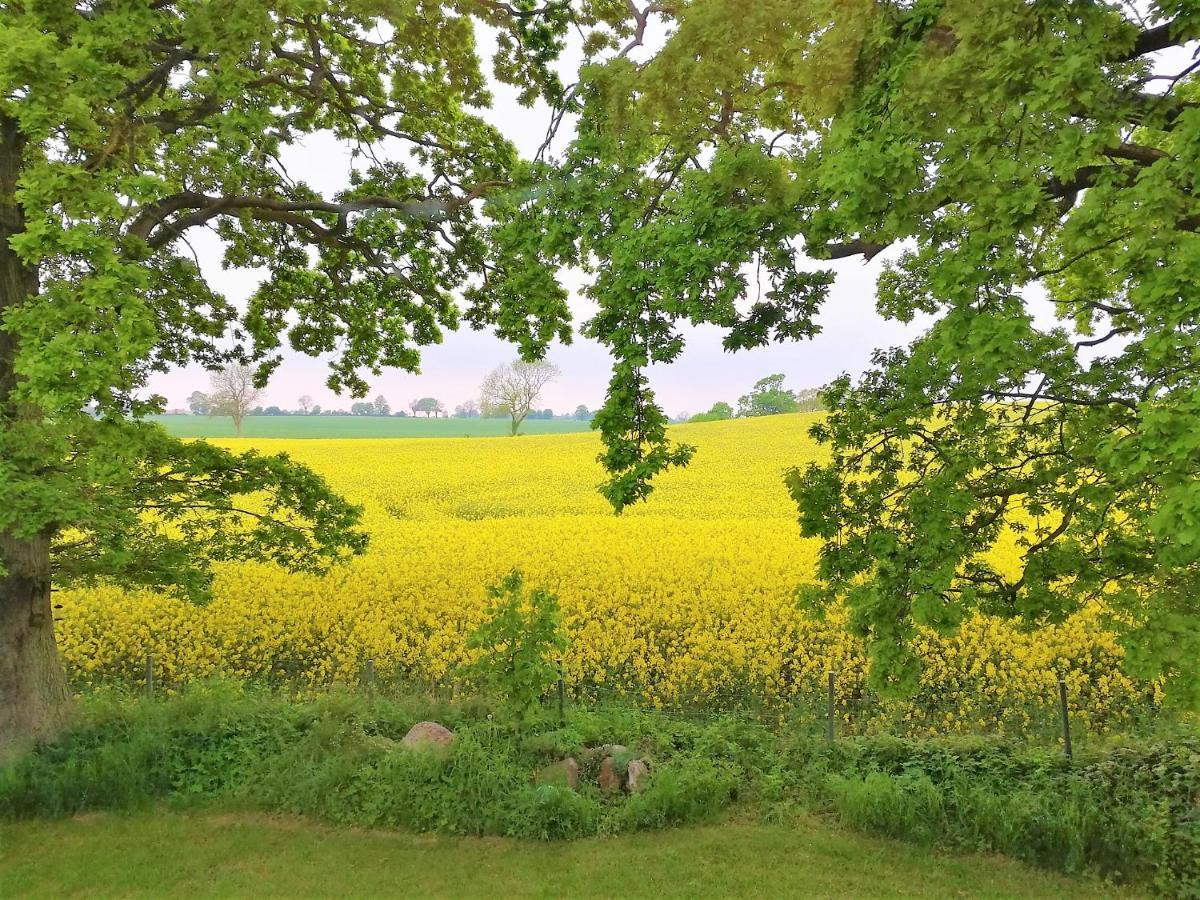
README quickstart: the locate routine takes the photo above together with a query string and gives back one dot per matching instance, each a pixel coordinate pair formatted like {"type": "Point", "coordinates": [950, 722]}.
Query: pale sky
{"type": "Point", "coordinates": [452, 371]}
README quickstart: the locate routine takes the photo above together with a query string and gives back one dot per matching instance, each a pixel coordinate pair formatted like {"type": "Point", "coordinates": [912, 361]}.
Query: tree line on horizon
{"type": "Point", "coordinates": [510, 391]}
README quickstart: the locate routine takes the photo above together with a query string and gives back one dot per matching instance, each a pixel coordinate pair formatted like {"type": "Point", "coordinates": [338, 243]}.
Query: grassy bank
{"type": "Point", "coordinates": [358, 426]}
{"type": "Point", "coordinates": [1126, 813]}
{"type": "Point", "coordinates": [160, 854]}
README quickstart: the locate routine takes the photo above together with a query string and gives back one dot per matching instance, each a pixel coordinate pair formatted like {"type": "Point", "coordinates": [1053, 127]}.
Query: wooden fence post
{"type": "Point", "coordinates": [1065, 717]}
{"type": "Point", "coordinates": [831, 708]}
{"type": "Point", "coordinates": [562, 694]}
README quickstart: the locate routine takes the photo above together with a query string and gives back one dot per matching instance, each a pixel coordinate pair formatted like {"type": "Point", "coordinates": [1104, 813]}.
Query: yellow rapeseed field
{"type": "Point", "coordinates": [685, 599]}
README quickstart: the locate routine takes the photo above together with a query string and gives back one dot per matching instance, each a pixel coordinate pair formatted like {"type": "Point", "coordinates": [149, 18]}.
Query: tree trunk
{"type": "Point", "coordinates": [34, 701]}
{"type": "Point", "coordinates": [33, 692]}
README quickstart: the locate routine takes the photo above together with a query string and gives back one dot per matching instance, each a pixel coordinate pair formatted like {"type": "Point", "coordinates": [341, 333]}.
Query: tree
{"type": "Point", "coordinates": [233, 393]}
{"type": "Point", "coordinates": [305, 403]}
{"type": "Point", "coordinates": [126, 128]}
{"type": "Point", "coordinates": [468, 409]}
{"type": "Point", "coordinates": [199, 403]}
{"type": "Point", "coordinates": [430, 406]}
{"type": "Point", "coordinates": [514, 388]}
{"type": "Point", "coordinates": [768, 397]}
{"type": "Point", "coordinates": [720, 410]}
{"type": "Point", "coordinates": [362, 408]}
{"type": "Point", "coordinates": [989, 153]}
{"type": "Point", "coordinates": [316, 410]}
{"type": "Point", "coordinates": [810, 400]}
{"type": "Point", "coordinates": [582, 413]}
{"type": "Point", "coordinates": [382, 408]}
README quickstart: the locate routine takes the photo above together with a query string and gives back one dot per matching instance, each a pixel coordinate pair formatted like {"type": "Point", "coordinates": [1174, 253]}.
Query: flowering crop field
{"type": "Point", "coordinates": [687, 599]}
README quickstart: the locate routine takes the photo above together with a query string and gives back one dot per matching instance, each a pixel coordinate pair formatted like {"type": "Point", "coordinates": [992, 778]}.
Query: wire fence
{"type": "Point", "coordinates": [831, 707]}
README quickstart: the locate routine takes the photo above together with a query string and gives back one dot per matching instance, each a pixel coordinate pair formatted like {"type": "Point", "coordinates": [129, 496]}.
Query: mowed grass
{"type": "Point", "coordinates": [175, 855]}
{"type": "Point", "coordinates": [358, 427]}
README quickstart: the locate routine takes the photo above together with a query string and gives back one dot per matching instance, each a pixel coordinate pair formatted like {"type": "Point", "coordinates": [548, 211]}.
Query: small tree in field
{"type": "Point", "coordinates": [514, 388]}
{"type": "Point", "coordinates": [233, 393]}
{"type": "Point", "coordinates": [305, 403]}
{"type": "Point", "coordinates": [382, 407]}
{"type": "Point", "coordinates": [519, 641]}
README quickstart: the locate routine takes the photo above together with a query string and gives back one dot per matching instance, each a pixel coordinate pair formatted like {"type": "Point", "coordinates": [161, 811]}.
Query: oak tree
{"type": "Point", "coordinates": [125, 128]}
{"type": "Point", "coordinates": [1024, 176]}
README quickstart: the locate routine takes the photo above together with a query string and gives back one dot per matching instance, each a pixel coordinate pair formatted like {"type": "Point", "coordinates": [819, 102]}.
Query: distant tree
{"type": "Point", "coordinates": [305, 403]}
{"type": "Point", "coordinates": [430, 406]}
{"type": "Point", "coordinates": [809, 400]}
{"type": "Point", "coordinates": [274, 411]}
{"type": "Point", "coordinates": [768, 398]}
{"type": "Point", "coordinates": [233, 393]}
{"type": "Point", "coordinates": [316, 410]}
{"type": "Point", "coordinates": [514, 388]}
{"type": "Point", "coordinates": [720, 410]}
{"type": "Point", "coordinates": [199, 403]}
{"type": "Point", "coordinates": [583, 414]}
{"type": "Point", "coordinates": [362, 408]}
{"type": "Point", "coordinates": [400, 414]}
{"type": "Point", "coordinates": [468, 409]}
{"type": "Point", "coordinates": [382, 407]}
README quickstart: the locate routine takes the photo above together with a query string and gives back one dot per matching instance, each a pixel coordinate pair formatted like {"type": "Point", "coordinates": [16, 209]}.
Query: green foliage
{"type": "Point", "coordinates": [999, 153]}
{"type": "Point", "coordinates": [694, 789]}
{"type": "Point", "coordinates": [123, 129]}
{"type": "Point", "coordinates": [1127, 811]}
{"type": "Point", "coordinates": [520, 641]}
{"type": "Point", "coordinates": [768, 398]}
{"type": "Point", "coordinates": [720, 410]}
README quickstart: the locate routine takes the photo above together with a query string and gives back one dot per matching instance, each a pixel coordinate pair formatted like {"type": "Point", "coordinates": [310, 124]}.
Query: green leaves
{"type": "Point", "coordinates": [126, 128]}
{"type": "Point", "coordinates": [518, 641]}
{"type": "Point", "coordinates": [1013, 152]}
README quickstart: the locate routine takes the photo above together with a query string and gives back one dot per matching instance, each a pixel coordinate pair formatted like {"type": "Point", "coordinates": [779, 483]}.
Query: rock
{"type": "Point", "coordinates": [609, 778]}
{"type": "Point", "coordinates": [565, 773]}
{"type": "Point", "coordinates": [635, 775]}
{"type": "Point", "coordinates": [612, 749]}
{"type": "Point", "coordinates": [428, 734]}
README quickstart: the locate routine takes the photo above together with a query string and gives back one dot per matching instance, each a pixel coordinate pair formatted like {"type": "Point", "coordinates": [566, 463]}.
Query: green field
{"type": "Point", "coordinates": [357, 427]}
{"type": "Point", "coordinates": [163, 854]}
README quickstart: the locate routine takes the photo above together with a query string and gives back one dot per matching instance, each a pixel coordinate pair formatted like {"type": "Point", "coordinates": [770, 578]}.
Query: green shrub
{"type": "Point", "coordinates": [689, 789]}
{"type": "Point", "coordinates": [554, 812]}
{"type": "Point", "coordinates": [519, 640]}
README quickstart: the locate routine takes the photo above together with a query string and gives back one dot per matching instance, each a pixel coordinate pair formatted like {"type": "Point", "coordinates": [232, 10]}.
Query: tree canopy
{"type": "Point", "coordinates": [1025, 173]}
{"type": "Point", "coordinates": [768, 397]}
{"type": "Point", "coordinates": [127, 128]}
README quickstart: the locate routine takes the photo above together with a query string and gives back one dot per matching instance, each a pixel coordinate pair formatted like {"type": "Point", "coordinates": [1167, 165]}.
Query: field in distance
{"type": "Point", "coordinates": [358, 426]}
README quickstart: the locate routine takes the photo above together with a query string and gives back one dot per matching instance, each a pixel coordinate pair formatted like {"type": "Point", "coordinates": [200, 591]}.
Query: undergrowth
{"type": "Point", "coordinates": [1127, 812]}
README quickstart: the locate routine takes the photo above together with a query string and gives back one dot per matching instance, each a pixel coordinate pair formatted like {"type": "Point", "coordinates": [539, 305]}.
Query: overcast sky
{"type": "Point", "coordinates": [453, 370]}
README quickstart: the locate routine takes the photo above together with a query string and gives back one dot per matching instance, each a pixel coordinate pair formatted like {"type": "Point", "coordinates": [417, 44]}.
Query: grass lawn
{"type": "Point", "coordinates": [358, 426]}
{"type": "Point", "coordinates": [170, 854]}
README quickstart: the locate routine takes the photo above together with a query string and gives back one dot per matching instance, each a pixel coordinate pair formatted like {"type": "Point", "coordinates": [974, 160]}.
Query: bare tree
{"type": "Point", "coordinates": [233, 393]}
{"type": "Point", "coordinates": [514, 388]}
{"type": "Point", "coordinates": [306, 403]}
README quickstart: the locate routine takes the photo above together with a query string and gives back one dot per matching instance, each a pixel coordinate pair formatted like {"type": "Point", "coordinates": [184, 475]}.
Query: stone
{"type": "Point", "coordinates": [428, 734]}
{"type": "Point", "coordinates": [635, 775]}
{"type": "Point", "coordinates": [564, 773]}
{"type": "Point", "coordinates": [609, 778]}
